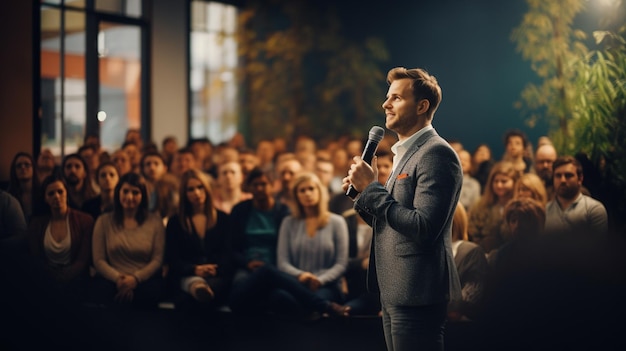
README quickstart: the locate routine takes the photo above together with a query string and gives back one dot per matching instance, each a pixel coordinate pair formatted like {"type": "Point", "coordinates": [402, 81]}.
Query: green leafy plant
{"type": "Point", "coordinates": [300, 75]}
{"type": "Point", "coordinates": [582, 92]}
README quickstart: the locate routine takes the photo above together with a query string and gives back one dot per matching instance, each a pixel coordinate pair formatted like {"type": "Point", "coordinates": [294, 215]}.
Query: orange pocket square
{"type": "Point", "coordinates": [402, 175]}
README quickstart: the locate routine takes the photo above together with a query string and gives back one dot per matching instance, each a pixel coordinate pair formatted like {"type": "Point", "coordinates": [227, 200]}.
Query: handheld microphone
{"type": "Point", "coordinates": [376, 135]}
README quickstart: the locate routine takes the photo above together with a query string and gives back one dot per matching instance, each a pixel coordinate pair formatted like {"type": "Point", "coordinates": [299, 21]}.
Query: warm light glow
{"type": "Point", "coordinates": [608, 3]}
{"type": "Point", "coordinates": [226, 76]}
{"type": "Point", "coordinates": [102, 116]}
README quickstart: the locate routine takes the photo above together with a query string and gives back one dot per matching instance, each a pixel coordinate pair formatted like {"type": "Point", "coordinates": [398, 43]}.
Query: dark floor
{"type": "Point", "coordinates": [163, 329]}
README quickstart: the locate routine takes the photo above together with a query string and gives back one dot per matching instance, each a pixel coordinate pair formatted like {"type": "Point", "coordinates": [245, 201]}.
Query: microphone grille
{"type": "Point", "coordinates": [376, 133]}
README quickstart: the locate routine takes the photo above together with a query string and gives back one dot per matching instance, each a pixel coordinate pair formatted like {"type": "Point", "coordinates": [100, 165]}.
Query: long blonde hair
{"type": "Point", "coordinates": [460, 224]}
{"type": "Point", "coordinates": [533, 183]}
{"type": "Point", "coordinates": [297, 210]}
{"type": "Point", "coordinates": [505, 168]}
{"type": "Point", "coordinates": [185, 209]}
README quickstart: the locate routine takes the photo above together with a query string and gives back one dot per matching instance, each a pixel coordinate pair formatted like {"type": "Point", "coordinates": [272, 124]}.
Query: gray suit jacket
{"type": "Point", "coordinates": [411, 260]}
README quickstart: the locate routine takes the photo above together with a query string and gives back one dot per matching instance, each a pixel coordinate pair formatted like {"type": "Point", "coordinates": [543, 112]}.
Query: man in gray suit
{"type": "Point", "coordinates": [411, 262]}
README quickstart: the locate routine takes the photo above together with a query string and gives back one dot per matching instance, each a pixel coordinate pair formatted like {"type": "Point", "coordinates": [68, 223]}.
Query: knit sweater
{"type": "Point", "coordinates": [137, 251]}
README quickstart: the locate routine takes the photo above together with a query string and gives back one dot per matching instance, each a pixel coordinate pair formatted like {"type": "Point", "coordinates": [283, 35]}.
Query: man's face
{"type": "Point", "coordinates": [248, 162]}
{"type": "Point", "coordinates": [23, 168]}
{"type": "Point", "coordinates": [265, 151]}
{"type": "Point", "coordinates": [153, 168]}
{"type": "Point", "coordinates": [133, 154]}
{"type": "Point", "coordinates": [185, 161]}
{"type": "Point", "coordinates": [287, 170]}
{"type": "Point", "coordinates": [74, 171]}
{"type": "Point", "coordinates": [261, 188]}
{"type": "Point", "coordinates": [384, 165]}
{"type": "Point", "coordinates": [91, 158]}
{"type": "Point", "coordinates": [515, 146]}
{"type": "Point", "coordinates": [229, 175]}
{"type": "Point", "coordinates": [46, 160]}
{"type": "Point", "coordinates": [122, 162]}
{"type": "Point", "coordinates": [545, 157]}
{"type": "Point", "coordinates": [325, 172]}
{"type": "Point", "coordinates": [567, 183]}
{"type": "Point", "coordinates": [400, 107]}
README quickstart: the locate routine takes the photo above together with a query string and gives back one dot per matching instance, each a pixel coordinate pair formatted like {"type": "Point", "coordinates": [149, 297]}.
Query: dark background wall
{"type": "Point", "coordinates": [467, 46]}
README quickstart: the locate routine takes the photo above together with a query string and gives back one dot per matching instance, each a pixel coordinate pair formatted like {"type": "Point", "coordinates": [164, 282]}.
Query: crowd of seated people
{"type": "Point", "coordinates": [266, 229]}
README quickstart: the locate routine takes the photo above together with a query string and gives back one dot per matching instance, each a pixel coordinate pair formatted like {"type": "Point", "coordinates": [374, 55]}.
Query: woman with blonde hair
{"type": "Point", "coordinates": [529, 185]}
{"type": "Point", "coordinates": [472, 266]}
{"type": "Point", "coordinates": [312, 241]}
{"type": "Point", "coordinates": [486, 221]}
{"type": "Point", "coordinates": [198, 245]}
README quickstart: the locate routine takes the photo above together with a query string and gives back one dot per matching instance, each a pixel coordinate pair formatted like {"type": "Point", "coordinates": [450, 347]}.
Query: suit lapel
{"type": "Point", "coordinates": [407, 156]}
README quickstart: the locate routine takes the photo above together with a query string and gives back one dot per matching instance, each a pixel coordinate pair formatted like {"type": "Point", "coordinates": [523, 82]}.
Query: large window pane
{"type": "Point", "coordinates": [63, 79]}
{"type": "Point", "coordinates": [119, 49]}
{"type": "Point", "coordinates": [130, 8]}
{"type": "Point", "coordinates": [213, 86]}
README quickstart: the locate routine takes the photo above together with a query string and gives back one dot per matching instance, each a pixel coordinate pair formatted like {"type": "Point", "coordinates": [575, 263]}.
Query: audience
{"type": "Point", "coordinates": [248, 161]}
{"type": "Point", "coordinates": [78, 180]}
{"type": "Point", "coordinates": [225, 246]}
{"type": "Point", "coordinates": [107, 178]}
{"type": "Point", "coordinates": [313, 242]}
{"type": "Point", "coordinates": [258, 286]}
{"type": "Point", "coordinates": [133, 150]}
{"type": "Point", "coordinates": [286, 169]}
{"type": "Point", "coordinates": [516, 143]}
{"type": "Point", "coordinates": [265, 152]}
{"type": "Point", "coordinates": [482, 161]}
{"type": "Point", "coordinates": [184, 160]}
{"type": "Point", "coordinates": [470, 190]}
{"type": "Point", "coordinates": [24, 184]}
{"type": "Point", "coordinates": [61, 240]}
{"type": "Point", "coordinates": [229, 184]}
{"type": "Point", "coordinates": [198, 243]}
{"type": "Point", "coordinates": [571, 211]}
{"type": "Point", "coordinates": [121, 160]}
{"type": "Point", "coordinates": [162, 186]}
{"type": "Point", "coordinates": [169, 145]}
{"type": "Point", "coordinates": [486, 222]}
{"type": "Point", "coordinates": [472, 266]}
{"type": "Point", "coordinates": [544, 159]}
{"type": "Point", "coordinates": [89, 153]}
{"type": "Point", "coordinates": [12, 221]}
{"type": "Point", "coordinates": [530, 185]}
{"type": "Point", "coordinates": [128, 248]}
{"type": "Point", "coordinates": [46, 165]}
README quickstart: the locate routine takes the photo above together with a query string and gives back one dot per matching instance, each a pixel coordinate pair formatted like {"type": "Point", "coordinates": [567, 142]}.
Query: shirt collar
{"type": "Point", "coordinates": [573, 204]}
{"type": "Point", "coordinates": [402, 146]}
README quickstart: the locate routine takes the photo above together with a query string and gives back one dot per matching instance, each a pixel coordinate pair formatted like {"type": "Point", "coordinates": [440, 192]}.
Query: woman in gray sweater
{"type": "Point", "coordinates": [128, 247]}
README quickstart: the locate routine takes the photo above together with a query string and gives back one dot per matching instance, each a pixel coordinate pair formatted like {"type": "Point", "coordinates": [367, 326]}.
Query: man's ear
{"type": "Point", "coordinates": [422, 106]}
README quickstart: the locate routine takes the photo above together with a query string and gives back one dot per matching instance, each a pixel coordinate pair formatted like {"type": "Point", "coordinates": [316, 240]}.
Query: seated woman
{"type": "Point", "coordinates": [254, 229]}
{"type": "Point", "coordinates": [61, 240]}
{"type": "Point", "coordinates": [128, 248]}
{"type": "Point", "coordinates": [198, 242]}
{"type": "Point", "coordinates": [24, 185]}
{"type": "Point", "coordinates": [529, 185]}
{"type": "Point", "coordinates": [107, 178]}
{"type": "Point", "coordinates": [313, 242]}
{"type": "Point", "coordinates": [486, 221]}
{"type": "Point", "coordinates": [472, 266]}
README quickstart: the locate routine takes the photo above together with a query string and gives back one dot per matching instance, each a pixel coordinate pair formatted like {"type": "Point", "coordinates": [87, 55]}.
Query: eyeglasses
{"type": "Point", "coordinates": [23, 165]}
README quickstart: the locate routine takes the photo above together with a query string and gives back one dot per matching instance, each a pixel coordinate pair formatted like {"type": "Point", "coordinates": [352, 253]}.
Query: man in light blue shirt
{"type": "Point", "coordinates": [570, 210]}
